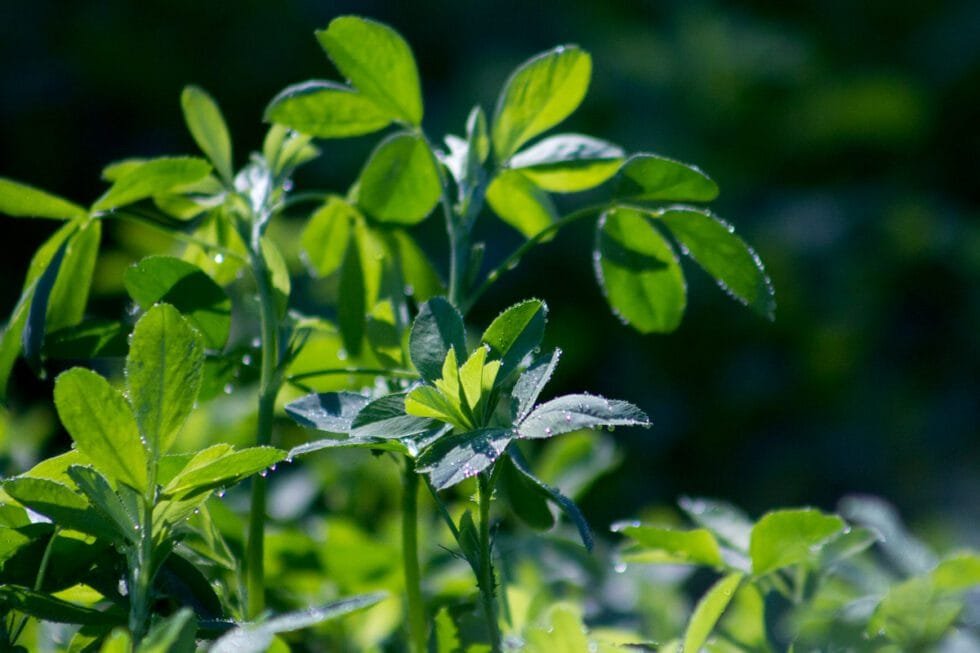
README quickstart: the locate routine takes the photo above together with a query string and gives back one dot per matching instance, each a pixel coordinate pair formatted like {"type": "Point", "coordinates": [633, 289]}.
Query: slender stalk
{"type": "Point", "coordinates": [417, 628]}
{"type": "Point", "coordinates": [42, 571]}
{"type": "Point", "coordinates": [268, 389]}
{"type": "Point", "coordinates": [393, 374]}
{"type": "Point", "coordinates": [486, 581]}
{"type": "Point", "coordinates": [142, 587]}
{"type": "Point", "coordinates": [515, 257]}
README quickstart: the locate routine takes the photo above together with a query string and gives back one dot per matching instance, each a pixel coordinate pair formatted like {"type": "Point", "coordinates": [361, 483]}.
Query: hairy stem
{"type": "Point", "coordinates": [418, 636]}
{"type": "Point", "coordinates": [486, 581]}
{"type": "Point", "coordinates": [268, 389]}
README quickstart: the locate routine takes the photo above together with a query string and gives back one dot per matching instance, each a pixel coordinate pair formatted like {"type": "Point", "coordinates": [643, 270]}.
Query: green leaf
{"type": "Point", "coordinates": [668, 546]}
{"type": "Point", "coordinates": [520, 203]}
{"type": "Point", "coordinates": [175, 634]}
{"type": "Point", "coordinates": [326, 110]}
{"type": "Point", "coordinates": [530, 384]}
{"type": "Point", "coordinates": [102, 497]}
{"type": "Point", "coordinates": [539, 94]}
{"type": "Point", "coordinates": [275, 267]}
{"type": "Point", "coordinates": [788, 537]}
{"type": "Point", "coordinates": [709, 610]}
{"type": "Point", "coordinates": [326, 236]}
{"type": "Point", "coordinates": [564, 633]}
{"type": "Point", "coordinates": [421, 280]}
{"type": "Point", "coordinates": [22, 201]}
{"type": "Point", "coordinates": [568, 163]}
{"type": "Point", "coordinates": [256, 637]}
{"type": "Point", "coordinates": [639, 273]}
{"type": "Point", "coordinates": [333, 412]}
{"type": "Point", "coordinates": [648, 177]}
{"type": "Point", "coordinates": [725, 521]}
{"type": "Point", "coordinates": [914, 614]}
{"type": "Point", "coordinates": [32, 336]}
{"type": "Point", "coordinates": [352, 300]}
{"type": "Point", "coordinates": [164, 370]}
{"type": "Point", "coordinates": [437, 329]}
{"type": "Point", "coordinates": [528, 504]}
{"type": "Point", "coordinates": [152, 177]}
{"type": "Point", "coordinates": [554, 495]}
{"type": "Point", "coordinates": [386, 418]}
{"type": "Point", "coordinates": [957, 573]}
{"type": "Point", "coordinates": [69, 297]}
{"type": "Point", "coordinates": [61, 504]}
{"type": "Point", "coordinates": [228, 469]}
{"type": "Point", "coordinates": [208, 128]}
{"type": "Point", "coordinates": [713, 244]}
{"type": "Point", "coordinates": [378, 62]}
{"type": "Point", "coordinates": [91, 339]}
{"type": "Point", "coordinates": [400, 181]}
{"type": "Point", "coordinates": [102, 426]}
{"type": "Point", "coordinates": [575, 412]}
{"type": "Point", "coordinates": [515, 333]}
{"type": "Point", "coordinates": [48, 608]}
{"type": "Point", "coordinates": [118, 641]}
{"type": "Point", "coordinates": [187, 288]}
{"type": "Point", "coordinates": [847, 544]}
{"type": "Point", "coordinates": [453, 459]}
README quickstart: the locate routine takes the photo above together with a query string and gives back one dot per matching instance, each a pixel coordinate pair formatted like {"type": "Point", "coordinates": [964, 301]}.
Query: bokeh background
{"type": "Point", "coordinates": [844, 136]}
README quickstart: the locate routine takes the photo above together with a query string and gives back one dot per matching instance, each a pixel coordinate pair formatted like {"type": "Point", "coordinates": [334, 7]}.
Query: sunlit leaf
{"type": "Point", "coordinates": [788, 537]}
{"type": "Point", "coordinates": [207, 126]}
{"type": "Point", "coordinates": [652, 544]}
{"type": "Point", "coordinates": [455, 458]}
{"type": "Point", "coordinates": [152, 178]}
{"type": "Point", "coordinates": [48, 608]}
{"type": "Point", "coordinates": [22, 201]}
{"type": "Point", "coordinates": [326, 236]}
{"type": "Point", "coordinates": [400, 181]}
{"type": "Point", "coordinates": [437, 329]}
{"type": "Point", "coordinates": [326, 110]}
{"type": "Point", "coordinates": [648, 177]}
{"type": "Point", "coordinates": [520, 203]}
{"type": "Point", "coordinates": [227, 469]}
{"type": "Point", "coordinates": [709, 610]}
{"type": "Point", "coordinates": [567, 163]}
{"type": "Point", "coordinates": [516, 333]}
{"type": "Point", "coordinates": [574, 412]}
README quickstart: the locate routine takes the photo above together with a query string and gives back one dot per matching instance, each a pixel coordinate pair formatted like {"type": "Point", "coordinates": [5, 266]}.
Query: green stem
{"type": "Point", "coordinates": [392, 374]}
{"type": "Point", "coordinates": [486, 580]}
{"type": "Point", "coordinates": [139, 614]}
{"type": "Point", "coordinates": [268, 389]}
{"type": "Point", "coordinates": [42, 570]}
{"type": "Point", "coordinates": [511, 261]}
{"type": "Point", "coordinates": [418, 635]}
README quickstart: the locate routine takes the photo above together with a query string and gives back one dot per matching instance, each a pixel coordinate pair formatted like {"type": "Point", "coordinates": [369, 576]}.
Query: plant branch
{"type": "Point", "coordinates": [417, 623]}
{"type": "Point", "coordinates": [486, 580]}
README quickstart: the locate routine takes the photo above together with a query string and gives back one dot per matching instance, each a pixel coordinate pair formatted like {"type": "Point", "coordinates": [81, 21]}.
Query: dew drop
{"type": "Point", "coordinates": [228, 388]}
{"type": "Point", "coordinates": [221, 493]}
{"type": "Point", "coordinates": [247, 359]}
{"type": "Point", "coordinates": [547, 431]}
{"type": "Point", "coordinates": [342, 354]}
{"type": "Point", "coordinates": [272, 469]}
{"type": "Point", "coordinates": [264, 473]}
{"type": "Point", "coordinates": [256, 342]}
{"type": "Point", "coordinates": [409, 289]}
{"type": "Point", "coordinates": [620, 568]}
{"type": "Point", "coordinates": [219, 258]}
{"type": "Point", "coordinates": [287, 185]}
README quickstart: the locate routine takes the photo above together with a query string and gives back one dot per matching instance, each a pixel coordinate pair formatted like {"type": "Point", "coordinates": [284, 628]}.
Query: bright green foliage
{"type": "Point", "coordinates": [437, 329]}
{"type": "Point", "coordinates": [400, 181]}
{"type": "Point", "coordinates": [789, 537]}
{"type": "Point", "coordinates": [520, 203]}
{"type": "Point", "coordinates": [668, 546]}
{"type": "Point", "coordinates": [207, 126]}
{"type": "Point", "coordinates": [22, 201]}
{"type": "Point", "coordinates": [326, 236]}
{"type": "Point", "coordinates": [639, 272]}
{"type": "Point", "coordinates": [709, 610]}
{"type": "Point", "coordinates": [326, 110]}
{"type": "Point", "coordinates": [539, 95]}
{"type": "Point", "coordinates": [648, 177]}
{"type": "Point", "coordinates": [568, 163]}
{"type": "Point", "coordinates": [515, 333]}
{"type": "Point", "coordinates": [153, 177]}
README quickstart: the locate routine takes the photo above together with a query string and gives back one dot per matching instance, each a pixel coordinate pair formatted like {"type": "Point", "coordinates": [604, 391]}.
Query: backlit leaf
{"type": "Point", "coordinates": [437, 329]}
{"type": "Point", "coordinates": [788, 537]}
{"type": "Point", "coordinates": [326, 110]}
{"type": "Point", "coordinates": [520, 203]}
{"type": "Point", "coordinates": [709, 610]}
{"type": "Point", "coordinates": [515, 333]}
{"type": "Point", "coordinates": [22, 201]}
{"type": "Point", "coordinates": [648, 177]}
{"type": "Point", "coordinates": [652, 544]}
{"type": "Point", "coordinates": [567, 163]}
{"type": "Point", "coordinates": [326, 236]}
{"type": "Point", "coordinates": [228, 469]}
{"type": "Point", "coordinates": [152, 177]}
{"type": "Point", "coordinates": [207, 126]}
{"type": "Point", "coordinates": [400, 181]}
{"type": "Point", "coordinates": [574, 412]}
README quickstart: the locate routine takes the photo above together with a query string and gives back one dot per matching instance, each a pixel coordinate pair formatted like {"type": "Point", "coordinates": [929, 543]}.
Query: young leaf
{"type": "Point", "coordinates": [437, 329]}
{"type": "Point", "coordinates": [163, 374]}
{"type": "Point", "coordinates": [102, 425]}
{"type": "Point", "coordinates": [515, 333]}
{"type": "Point", "coordinates": [668, 546]}
{"type": "Point", "coordinates": [91, 339]}
{"type": "Point", "coordinates": [638, 272]}
{"type": "Point", "coordinates": [386, 418]}
{"type": "Point", "coordinates": [188, 289]}
{"type": "Point", "coordinates": [228, 469]}
{"type": "Point", "coordinates": [568, 163]}
{"type": "Point", "coordinates": [175, 634]}
{"type": "Point", "coordinates": [540, 94]}
{"type": "Point", "coordinates": [49, 608]}
{"type": "Point", "coordinates": [400, 181]}
{"type": "Point", "coordinates": [520, 203]}
{"type": "Point", "coordinates": [22, 201]}
{"type": "Point", "coordinates": [326, 110]}
{"type": "Point", "coordinates": [432, 402]}
{"type": "Point", "coordinates": [575, 412]}
{"type": "Point", "coordinates": [530, 384]}
{"type": "Point", "coordinates": [648, 177]}
{"type": "Point", "coordinates": [713, 244]}
{"type": "Point", "coordinates": [32, 336]}
{"type": "Point", "coordinates": [724, 520]}
{"type": "Point", "coordinates": [378, 62]}
{"type": "Point", "coordinates": [352, 300]}
{"type": "Point", "coordinates": [69, 297]}
{"type": "Point", "coordinates": [208, 128]}
{"type": "Point", "coordinates": [326, 235]}
{"type": "Point", "coordinates": [564, 633]}
{"type": "Point", "coordinates": [106, 501]}
{"type": "Point", "coordinates": [333, 412]}
{"type": "Point", "coordinates": [152, 177]}
{"type": "Point", "coordinates": [275, 268]}
{"type": "Point", "coordinates": [256, 638]}
{"type": "Point", "coordinates": [61, 504]}
{"type": "Point", "coordinates": [788, 537]}
{"type": "Point", "coordinates": [455, 458]}
{"type": "Point", "coordinates": [709, 610]}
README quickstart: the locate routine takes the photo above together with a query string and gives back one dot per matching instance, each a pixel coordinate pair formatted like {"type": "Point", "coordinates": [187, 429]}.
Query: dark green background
{"type": "Point", "coordinates": [844, 137]}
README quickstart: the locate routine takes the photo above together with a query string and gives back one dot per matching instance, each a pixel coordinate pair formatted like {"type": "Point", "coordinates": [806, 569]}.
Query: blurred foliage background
{"type": "Point", "coordinates": [843, 135]}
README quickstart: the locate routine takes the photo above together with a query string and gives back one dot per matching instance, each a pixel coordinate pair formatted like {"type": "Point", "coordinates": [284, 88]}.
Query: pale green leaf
{"type": "Point", "coordinates": [725, 521]}
{"type": "Point", "coordinates": [639, 272]}
{"type": "Point", "coordinates": [400, 182]}
{"type": "Point", "coordinates": [649, 177]}
{"type": "Point", "coordinates": [152, 177]}
{"type": "Point", "coordinates": [65, 506]}
{"type": "Point", "coordinates": [568, 163]}
{"type": "Point", "coordinates": [22, 201]}
{"type": "Point", "coordinates": [713, 244]}
{"type": "Point", "coordinates": [655, 545]}
{"type": "Point", "coordinates": [164, 371]}
{"type": "Point", "coordinates": [48, 608]}
{"type": "Point", "coordinates": [207, 126]}
{"type": "Point", "coordinates": [102, 426]}
{"type": "Point", "coordinates": [520, 203]}
{"type": "Point", "coordinates": [378, 62]}
{"type": "Point", "coordinates": [228, 469]}
{"type": "Point", "coordinates": [326, 110]}
{"type": "Point", "coordinates": [540, 94]}
{"type": "Point", "coordinates": [575, 412]}
{"type": "Point", "coordinates": [175, 634]}
{"type": "Point", "coordinates": [708, 611]}
{"type": "Point", "coordinates": [278, 273]}
{"type": "Point", "coordinates": [326, 236]}
{"type": "Point", "coordinates": [788, 537]}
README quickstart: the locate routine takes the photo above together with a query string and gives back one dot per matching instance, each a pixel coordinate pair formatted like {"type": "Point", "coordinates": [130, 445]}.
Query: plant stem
{"type": "Point", "coordinates": [418, 636]}
{"type": "Point", "coordinates": [268, 389]}
{"type": "Point", "coordinates": [142, 587]}
{"type": "Point", "coordinates": [511, 261]}
{"type": "Point", "coordinates": [42, 570]}
{"type": "Point", "coordinates": [392, 374]}
{"type": "Point", "coordinates": [486, 581]}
